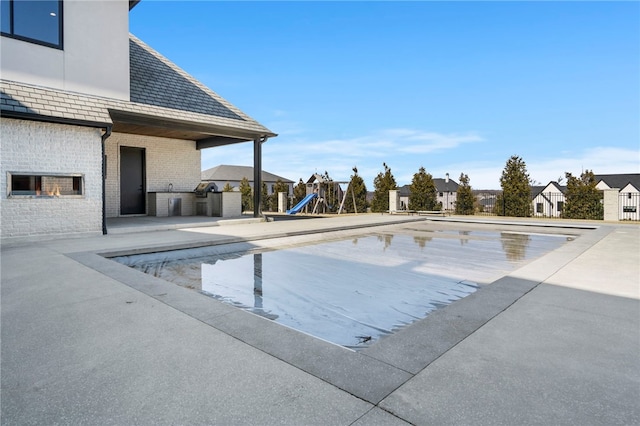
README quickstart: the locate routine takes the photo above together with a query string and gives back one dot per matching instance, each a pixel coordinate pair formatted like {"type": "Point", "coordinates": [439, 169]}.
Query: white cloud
{"type": "Point", "coordinates": [601, 160]}
{"type": "Point", "coordinates": [386, 142]}
{"type": "Point", "coordinates": [295, 156]}
{"type": "Point", "coordinates": [427, 142]}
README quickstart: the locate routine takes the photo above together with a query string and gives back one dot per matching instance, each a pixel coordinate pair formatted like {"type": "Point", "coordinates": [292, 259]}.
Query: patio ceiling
{"type": "Point", "coordinates": [206, 135]}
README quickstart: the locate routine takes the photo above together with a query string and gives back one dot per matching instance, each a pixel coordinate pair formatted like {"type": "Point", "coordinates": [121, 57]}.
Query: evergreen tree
{"type": "Point", "coordinates": [515, 199]}
{"type": "Point", "coordinates": [280, 186]}
{"type": "Point", "coordinates": [265, 199]}
{"type": "Point", "coordinates": [227, 187]}
{"type": "Point", "coordinates": [357, 185]}
{"type": "Point", "coordinates": [464, 198]}
{"type": "Point", "coordinates": [247, 194]}
{"type": "Point", "coordinates": [382, 184]}
{"type": "Point", "coordinates": [422, 191]}
{"type": "Point", "coordinates": [299, 192]}
{"type": "Point", "coordinates": [583, 199]}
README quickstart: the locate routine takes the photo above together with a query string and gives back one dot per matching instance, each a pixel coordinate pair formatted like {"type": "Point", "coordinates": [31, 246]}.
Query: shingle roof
{"type": "Point", "coordinates": [22, 98]}
{"type": "Point", "coordinates": [237, 173]}
{"type": "Point", "coordinates": [620, 180]}
{"type": "Point", "coordinates": [443, 186]}
{"type": "Point", "coordinates": [157, 81]}
{"type": "Point", "coordinates": [440, 184]}
{"type": "Point", "coordinates": [158, 89]}
{"type": "Point", "coordinates": [536, 190]}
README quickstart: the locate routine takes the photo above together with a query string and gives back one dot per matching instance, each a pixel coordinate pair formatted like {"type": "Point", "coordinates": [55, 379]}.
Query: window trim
{"type": "Point", "coordinates": [59, 46]}
{"type": "Point", "coordinates": [10, 193]}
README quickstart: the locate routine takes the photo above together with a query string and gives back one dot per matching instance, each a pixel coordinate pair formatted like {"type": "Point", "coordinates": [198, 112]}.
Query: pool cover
{"type": "Point", "coordinates": [349, 292]}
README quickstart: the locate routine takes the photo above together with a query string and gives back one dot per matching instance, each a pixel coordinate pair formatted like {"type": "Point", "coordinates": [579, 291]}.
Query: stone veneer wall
{"type": "Point", "coordinates": [31, 147]}
{"type": "Point", "coordinates": [168, 161]}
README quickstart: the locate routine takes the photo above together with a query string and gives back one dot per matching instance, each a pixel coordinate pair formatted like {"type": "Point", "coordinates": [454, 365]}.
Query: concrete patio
{"type": "Point", "coordinates": [88, 341]}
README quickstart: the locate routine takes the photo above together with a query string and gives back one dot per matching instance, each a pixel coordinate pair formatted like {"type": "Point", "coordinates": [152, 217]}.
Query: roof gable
{"type": "Point", "coordinates": [630, 188]}
{"type": "Point", "coordinates": [443, 186]}
{"type": "Point", "coordinates": [618, 180]}
{"type": "Point", "coordinates": [554, 187]}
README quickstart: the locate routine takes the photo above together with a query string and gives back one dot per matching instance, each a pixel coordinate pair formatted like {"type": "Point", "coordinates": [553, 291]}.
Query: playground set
{"type": "Point", "coordinates": [318, 188]}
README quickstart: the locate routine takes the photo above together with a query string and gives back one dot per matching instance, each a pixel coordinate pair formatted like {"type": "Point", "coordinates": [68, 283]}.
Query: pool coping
{"type": "Point", "coordinates": [372, 373]}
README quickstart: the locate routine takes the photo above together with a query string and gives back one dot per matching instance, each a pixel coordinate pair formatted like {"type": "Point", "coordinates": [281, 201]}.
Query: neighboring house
{"type": "Point", "coordinates": [447, 190]}
{"type": "Point", "coordinates": [548, 201]}
{"type": "Point", "coordinates": [95, 123]}
{"type": "Point", "coordinates": [629, 182]}
{"type": "Point", "coordinates": [223, 174]}
{"type": "Point", "coordinates": [629, 193]}
{"type": "Point", "coordinates": [446, 193]}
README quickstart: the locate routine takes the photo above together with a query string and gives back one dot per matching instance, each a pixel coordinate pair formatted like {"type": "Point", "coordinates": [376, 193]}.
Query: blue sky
{"type": "Point", "coordinates": [454, 87]}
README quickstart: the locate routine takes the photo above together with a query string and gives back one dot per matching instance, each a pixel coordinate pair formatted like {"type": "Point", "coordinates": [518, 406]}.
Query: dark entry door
{"type": "Point", "coordinates": [132, 172]}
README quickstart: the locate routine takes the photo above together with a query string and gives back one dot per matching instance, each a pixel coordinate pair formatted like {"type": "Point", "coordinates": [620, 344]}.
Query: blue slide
{"type": "Point", "coordinates": [306, 200]}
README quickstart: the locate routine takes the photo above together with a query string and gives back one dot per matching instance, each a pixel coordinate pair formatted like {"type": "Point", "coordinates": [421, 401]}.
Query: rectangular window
{"type": "Point", "coordinates": [560, 205]}
{"type": "Point", "coordinates": [539, 208]}
{"type": "Point", "coordinates": [44, 185]}
{"type": "Point", "coordinates": [33, 21]}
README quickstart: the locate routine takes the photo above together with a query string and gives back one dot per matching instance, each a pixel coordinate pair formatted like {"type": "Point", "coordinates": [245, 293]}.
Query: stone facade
{"type": "Point", "coordinates": [168, 161]}
{"type": "Point", "coordinates": [31, 148]}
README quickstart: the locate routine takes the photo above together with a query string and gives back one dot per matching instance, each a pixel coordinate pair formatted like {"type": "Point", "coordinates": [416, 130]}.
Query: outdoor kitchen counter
{"type": "Point", "coordinates": [175, 203]}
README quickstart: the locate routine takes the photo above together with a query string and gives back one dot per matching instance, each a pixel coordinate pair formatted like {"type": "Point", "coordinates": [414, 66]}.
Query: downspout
{"type": "Point", "coordinates": [105, 135]}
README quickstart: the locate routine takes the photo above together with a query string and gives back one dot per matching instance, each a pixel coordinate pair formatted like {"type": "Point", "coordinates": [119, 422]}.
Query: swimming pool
{"type": "Point", "coordinates": [349, 291]}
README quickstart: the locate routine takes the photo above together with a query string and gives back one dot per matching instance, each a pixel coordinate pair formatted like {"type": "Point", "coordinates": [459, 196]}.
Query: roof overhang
{"type": "Point", "coordinates": [205, 134]}
{"type": "Point", "coordinates": [133, 3]}
{"type": "Point", "coordinates": [51, 119]}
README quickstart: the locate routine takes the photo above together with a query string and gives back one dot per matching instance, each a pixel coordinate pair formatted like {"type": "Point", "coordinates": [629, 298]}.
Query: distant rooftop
{"type": "Point", "coordinates": [620, 180]}
{"type": "Point", "coordinates": [228, 173]}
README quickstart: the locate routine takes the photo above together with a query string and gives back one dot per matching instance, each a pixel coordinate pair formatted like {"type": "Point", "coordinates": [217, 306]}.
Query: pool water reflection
{"type": "Point", "coordinates": [354, 291]}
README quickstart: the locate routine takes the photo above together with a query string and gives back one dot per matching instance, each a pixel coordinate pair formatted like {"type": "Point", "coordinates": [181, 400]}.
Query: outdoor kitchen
{"type": "Point", "coordinates": [204, 200]}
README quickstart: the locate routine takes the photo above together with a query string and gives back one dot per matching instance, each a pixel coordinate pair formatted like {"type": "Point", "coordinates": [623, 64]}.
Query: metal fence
{"type": "Point", "coordinates": [547, 205]}
{"type": "Point", "coordinates": [629, 206]}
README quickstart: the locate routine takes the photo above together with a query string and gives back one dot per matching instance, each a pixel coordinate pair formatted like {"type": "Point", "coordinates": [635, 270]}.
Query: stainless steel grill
{"type": "Point", "coordinates": [203, 188]}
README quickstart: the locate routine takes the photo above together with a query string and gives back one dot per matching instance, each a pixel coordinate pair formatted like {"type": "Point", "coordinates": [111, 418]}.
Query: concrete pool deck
{"type": "Point", "coordinates": [87, 341]}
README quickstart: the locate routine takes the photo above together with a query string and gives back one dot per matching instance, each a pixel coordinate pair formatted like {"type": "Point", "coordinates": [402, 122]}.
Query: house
{"type": "Point", "coordinates": [629, 193]}
{"type": "Point", "coordinates": [629, 182]}
{"type": "Point", "coordinates": [233, 175]}
{"type": "Point", "coordinates": [446, 193]}
{"type": "Point", "coordinates": [447, 190]}
{"type": "Point", "coordinates": [548, 201]}
{"type": "Point", "coordinates": [96, 124]}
